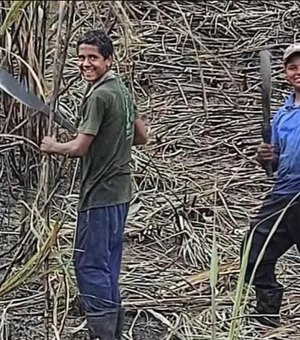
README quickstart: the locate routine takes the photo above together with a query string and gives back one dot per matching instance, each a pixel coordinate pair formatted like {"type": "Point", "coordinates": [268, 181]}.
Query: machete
{"type": "Point", "coordinates": [10, 85]}
{"type": "Point", "coordinates": [265, 70]}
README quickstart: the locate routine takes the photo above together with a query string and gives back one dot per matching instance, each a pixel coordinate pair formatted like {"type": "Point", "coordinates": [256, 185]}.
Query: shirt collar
{"type": "Point", "coordinates": [105, 77]}
{"type": "Point", "coordinates": [290, 102]}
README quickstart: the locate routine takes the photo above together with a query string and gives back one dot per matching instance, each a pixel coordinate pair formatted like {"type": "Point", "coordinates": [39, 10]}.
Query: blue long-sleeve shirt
{"type": "Point", "coordinates": [286, 141]}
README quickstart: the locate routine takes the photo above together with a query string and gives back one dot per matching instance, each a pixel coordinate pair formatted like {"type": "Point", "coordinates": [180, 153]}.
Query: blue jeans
{"type": "Point", "coordinates": [98, 257]}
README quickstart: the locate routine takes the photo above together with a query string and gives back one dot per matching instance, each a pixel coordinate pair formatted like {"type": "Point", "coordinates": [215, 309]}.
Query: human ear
{"type": "Point", "coordinates": [108, 62]}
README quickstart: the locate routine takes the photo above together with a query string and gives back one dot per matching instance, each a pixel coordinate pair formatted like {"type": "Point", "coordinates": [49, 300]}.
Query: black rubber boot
{"type": "Point", "coordinates": [102, 326]}
{"type": "Point", "coordinates": [268, 303]}
{"type": "Point", "coordinates": [120, 324]}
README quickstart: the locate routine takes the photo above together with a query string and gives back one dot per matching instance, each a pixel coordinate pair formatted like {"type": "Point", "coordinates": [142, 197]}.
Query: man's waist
{"type": "Point", "coordinates": [287, 184]}
{"type": "Point", "coordinates": [101, 196]}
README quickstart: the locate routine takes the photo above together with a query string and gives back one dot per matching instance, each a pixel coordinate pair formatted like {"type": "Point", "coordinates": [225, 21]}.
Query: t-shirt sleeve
{"type": "Point", "coordinates": [93, 115]}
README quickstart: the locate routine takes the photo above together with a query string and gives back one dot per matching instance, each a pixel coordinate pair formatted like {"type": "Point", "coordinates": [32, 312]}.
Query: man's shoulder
{"type": "Point", "coordinates": [106, 89]}
{"type": "Point", "coordinates": [108, 85]}
{"type": "Point", "coordinates": [103, 86]}
{"type": "Point", "coordinates": [286, 106]}
{"type": "Point", "coordinates": [102, 94]}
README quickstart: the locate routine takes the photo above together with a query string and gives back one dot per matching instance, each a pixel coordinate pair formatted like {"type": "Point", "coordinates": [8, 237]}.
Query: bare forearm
{"type": "Point", "coordinates": [66, 149]}
{"type": "Point", "coordinates": [140, 140]}
{"type": "Point", "coordinates": [78, 147]}
{"type": "Point", "coordinates": [140, 133]}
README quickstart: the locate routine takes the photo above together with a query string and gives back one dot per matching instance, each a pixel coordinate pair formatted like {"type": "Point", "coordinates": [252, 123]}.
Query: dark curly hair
{"type": "Point", "coordinates": [100, 39]}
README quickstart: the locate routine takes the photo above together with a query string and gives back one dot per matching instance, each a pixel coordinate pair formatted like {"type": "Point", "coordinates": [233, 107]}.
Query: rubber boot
{"type": "Point", "coordinates": [103, 325]}
{"type": "Point", "coordinates": [268, 303]}
{"type": "Point", "coordinates": [120, 324]}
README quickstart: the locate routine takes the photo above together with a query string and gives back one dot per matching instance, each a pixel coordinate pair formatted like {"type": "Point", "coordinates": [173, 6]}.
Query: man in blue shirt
{"type": "Point", "coordinates": [284, 153]}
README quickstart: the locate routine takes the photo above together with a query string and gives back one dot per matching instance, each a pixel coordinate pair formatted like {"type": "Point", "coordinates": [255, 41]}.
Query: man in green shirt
{"type": "Point", "coordinates": [107, 130]}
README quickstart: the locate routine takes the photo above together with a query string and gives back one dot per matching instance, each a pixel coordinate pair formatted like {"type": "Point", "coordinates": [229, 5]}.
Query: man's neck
{"type": "Point", "coordinates": [297, 98]}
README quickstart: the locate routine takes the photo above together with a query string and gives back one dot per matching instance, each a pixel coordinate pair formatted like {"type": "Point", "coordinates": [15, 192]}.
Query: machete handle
{"type": "Point", "coordinates": [269, 169]}
{"type": "Point", "coordinates": [64, 123]}
{"type": "Point", "coordinates": [266, 132]}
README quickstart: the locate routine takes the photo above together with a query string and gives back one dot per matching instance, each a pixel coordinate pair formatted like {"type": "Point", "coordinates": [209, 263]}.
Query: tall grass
{"type": "Point", "coordinates": [242, 295]}
{"type": "Point", "coordinates": [214, 277]}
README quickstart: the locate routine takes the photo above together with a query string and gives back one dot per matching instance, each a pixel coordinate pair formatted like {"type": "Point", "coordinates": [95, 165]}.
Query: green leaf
{"type": "Point", "coordinates": [13, 15]}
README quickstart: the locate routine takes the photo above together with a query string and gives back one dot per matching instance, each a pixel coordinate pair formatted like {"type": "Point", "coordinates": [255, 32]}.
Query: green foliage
{"type": "Point", "coordinates": [13, 15]}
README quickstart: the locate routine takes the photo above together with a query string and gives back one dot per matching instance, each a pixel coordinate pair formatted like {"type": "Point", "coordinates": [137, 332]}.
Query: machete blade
{"type": "Point", "coordinates": [10, 85]}
{"type": "Point", "coordinates": [265, 71]}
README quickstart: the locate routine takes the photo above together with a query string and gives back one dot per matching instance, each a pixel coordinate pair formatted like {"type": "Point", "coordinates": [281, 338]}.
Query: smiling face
{"type": "Point", "coordinates": [92, 64]}
{"type": "Point", "coordinates": [292, 71]}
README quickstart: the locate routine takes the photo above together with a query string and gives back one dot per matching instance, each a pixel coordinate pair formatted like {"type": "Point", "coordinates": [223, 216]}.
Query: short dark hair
{"type": "Point", "coordinates": [100, 39]}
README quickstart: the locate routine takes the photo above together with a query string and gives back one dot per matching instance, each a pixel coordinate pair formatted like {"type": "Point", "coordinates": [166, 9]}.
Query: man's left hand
{"type": "Point", "coordinates": [48, 144]}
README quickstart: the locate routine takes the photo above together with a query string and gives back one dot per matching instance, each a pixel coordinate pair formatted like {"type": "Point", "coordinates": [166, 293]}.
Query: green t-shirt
{"type": "Point", "coordinates": [108, 114]}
